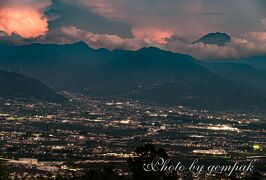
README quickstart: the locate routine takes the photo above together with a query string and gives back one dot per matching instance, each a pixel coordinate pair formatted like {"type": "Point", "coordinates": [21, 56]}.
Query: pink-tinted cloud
{"type": "Point", "coordinates": [159, 23]}
{"type": "Point", "coordinates": [257, 36]}
{"type": "Point", "coordinates": [200, 50]}
{"type": "Point", "coordinates": [71, 34]}
{"type": "Point", "coordinates": [249, 45]}
{"type": "Point", "coordinates": [149, 16]}
{"type": "Point", "coordinates": [23, 21]}
{"type": "Point", "coordinates": [24, 17]}
{"type": "Point", "coordinates": [105, 8]}
{"type": "Point", "coordinates": [152, 36]}
{"type": "Point", "coordinates": [263, 22]}
{"type": "Point", "coordinates": [191, 18]}
{"type": "Point", "coordinates": [210, 51]}
{"type": "Point", "coordinates": [35, 4]}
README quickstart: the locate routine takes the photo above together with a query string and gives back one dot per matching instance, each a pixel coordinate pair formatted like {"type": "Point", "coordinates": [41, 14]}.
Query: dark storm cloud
{"type": "Point", "coordinates": [182, 16]}
{"type": "Point", "coordinates": [74, 14]}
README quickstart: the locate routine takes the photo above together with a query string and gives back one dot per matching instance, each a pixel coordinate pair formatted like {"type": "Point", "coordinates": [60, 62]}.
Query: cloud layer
{"type": "Point", "coordinates": [71, 34]}
{"type": "Point", "coordinates": [251, 44]}
{"type": "Point", "coordinates": [184, 18]}
{"type": "Point", "coordinates": [263, 22]}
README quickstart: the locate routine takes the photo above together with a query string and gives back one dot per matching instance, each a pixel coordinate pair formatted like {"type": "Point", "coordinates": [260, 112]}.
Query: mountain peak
{"type": "Point", "coordinates": [217, 38]}
{"type": "Point", "coordinates": [80, 43]}
{"type": "Point", "coordinates": [150, 49]}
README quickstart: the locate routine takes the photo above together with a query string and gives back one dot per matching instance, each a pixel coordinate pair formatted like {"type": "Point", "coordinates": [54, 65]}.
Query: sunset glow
{"type": "Point", "coordinates": [152, 35]}
{"type": "Point", "coordinates": [26, 22]}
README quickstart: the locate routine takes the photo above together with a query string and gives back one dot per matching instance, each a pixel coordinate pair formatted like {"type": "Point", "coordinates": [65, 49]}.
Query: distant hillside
{"type": "Point", "coordinates": [238, 71]}
{"type": "Point", "coordinates": [217, 38]}
{"type": "Point", "coordinates": [55, 65]}
{"type": "Point", "coordinates": [14, 85]}
{"type": "Point", "coordinates": [169, 78]}
{"type": "Point", "coordinates": [149, 74]}
{"type": "Point", "coordinates": [258, 62]}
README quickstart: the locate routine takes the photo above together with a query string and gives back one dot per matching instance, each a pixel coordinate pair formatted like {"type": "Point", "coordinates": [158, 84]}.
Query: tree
{"type": "Point", "coordinates": [3, 175]}
{"type": "Point", "coordinates": [107, 173]}
{"type": "Point", "coordinates": [145, 155]}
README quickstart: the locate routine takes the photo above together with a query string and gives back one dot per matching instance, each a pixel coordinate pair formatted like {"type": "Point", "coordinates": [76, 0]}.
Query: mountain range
{"type": "Point", "coordinates": [149, 74]}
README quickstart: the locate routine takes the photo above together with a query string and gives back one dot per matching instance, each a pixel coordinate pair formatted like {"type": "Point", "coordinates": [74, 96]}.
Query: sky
{"type": "Point", "coordinates": [133, 24]}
